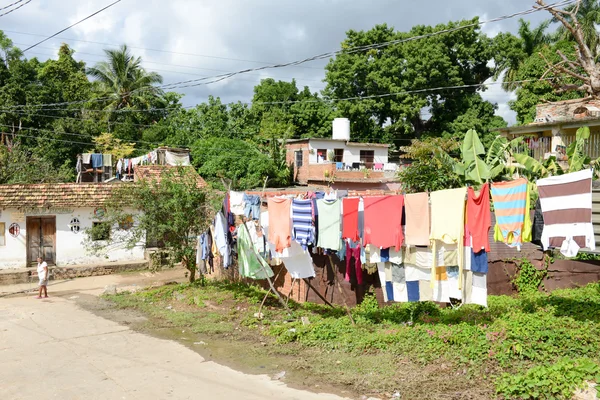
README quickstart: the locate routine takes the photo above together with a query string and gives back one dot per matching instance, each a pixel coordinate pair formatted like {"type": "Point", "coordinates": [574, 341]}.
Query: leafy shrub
{"type": "Point", "coordinates": [553, 381]}
{"type": "Point", "coordinates": [528, 278]}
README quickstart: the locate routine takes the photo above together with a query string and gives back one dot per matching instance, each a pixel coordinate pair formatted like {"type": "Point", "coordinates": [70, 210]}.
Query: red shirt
{"type": "Point", "coordinates": [350, 219]}
{"type": "Point", "coordinates": [383, 221]}
{"type": "Point", "coordinates": [479, 218]}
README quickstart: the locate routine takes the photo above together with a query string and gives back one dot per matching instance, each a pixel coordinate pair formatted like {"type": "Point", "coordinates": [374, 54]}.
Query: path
{"type": "Point", "coordinates": [52, 349]}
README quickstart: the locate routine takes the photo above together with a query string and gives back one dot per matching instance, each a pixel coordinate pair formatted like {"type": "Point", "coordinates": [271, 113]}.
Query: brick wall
{"type": "Point", "coordinates": [564, 110]}
{"type": "Point", "coordinates": [300, 174]}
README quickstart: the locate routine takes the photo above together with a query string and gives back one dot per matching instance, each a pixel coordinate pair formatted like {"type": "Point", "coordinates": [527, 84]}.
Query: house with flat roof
{"type": "Point", "coordinates": [555, 127]}
{"type": "Point", "coordinates": [340, 163]}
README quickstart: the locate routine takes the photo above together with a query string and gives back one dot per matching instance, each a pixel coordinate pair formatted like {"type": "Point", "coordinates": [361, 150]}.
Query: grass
{"type": "Point", "coordinates": [419, 349]}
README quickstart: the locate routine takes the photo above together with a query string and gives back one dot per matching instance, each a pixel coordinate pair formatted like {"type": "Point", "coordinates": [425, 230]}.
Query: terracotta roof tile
{"type": "Point", "coordinates": [48, 195]}
{"type": "Point", "coordinates": [154, 172]}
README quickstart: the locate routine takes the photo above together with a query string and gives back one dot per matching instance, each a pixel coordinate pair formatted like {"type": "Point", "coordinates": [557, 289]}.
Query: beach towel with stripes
{"type": "Point", "coordinates": [510, 201]}
{"type": "Point", "coordinates": [566, 202]}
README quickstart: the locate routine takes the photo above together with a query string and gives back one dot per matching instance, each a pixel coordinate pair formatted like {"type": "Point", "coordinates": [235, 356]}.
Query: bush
{"type": "Point", "coordinates": [554, 381]}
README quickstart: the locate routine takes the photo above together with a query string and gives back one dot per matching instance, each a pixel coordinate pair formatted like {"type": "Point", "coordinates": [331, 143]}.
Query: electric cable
{"type": "Point", "coordinates": [14, 9]}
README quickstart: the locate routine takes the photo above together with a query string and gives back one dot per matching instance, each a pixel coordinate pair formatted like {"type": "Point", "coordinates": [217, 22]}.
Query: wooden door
{"type": "Point", "coordinates": [41, 239]}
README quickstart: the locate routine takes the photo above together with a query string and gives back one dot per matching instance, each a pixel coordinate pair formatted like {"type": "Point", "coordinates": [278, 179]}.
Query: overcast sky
{"type": "Point", "coordinates": [204, 38]}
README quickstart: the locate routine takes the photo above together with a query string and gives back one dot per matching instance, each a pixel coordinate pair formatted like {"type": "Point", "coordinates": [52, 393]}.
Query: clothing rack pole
{"type": "Point", "coordinates": [307, 281]}
{"type": "Point", "coordinates": [265, 271]}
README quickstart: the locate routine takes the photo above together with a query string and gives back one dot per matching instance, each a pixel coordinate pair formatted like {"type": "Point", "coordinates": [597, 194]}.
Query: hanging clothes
{"type": "Point", "coordinates": [177, 159]}
{"type": "Point", "coordinates": [361, 219]}
{"type": "Point", "coordinates": [566, 202]}
{"type": "Point", "coordinates": [236, 202]}
{"type": "Point", "coordinates": [353, 263]}
{"type": "Point", "coordinates": [479, 219]}
{"type": "Point", "coordinates": [383, 221]}
{"type": "Point", "coordinates": [329, 224]}
{"type": "Point", "coordinates": [252, 206]}
{"type": "Point", "coordinates": [107, 160]}
{"type": "Point", "coordinates": [302, 222]}
{"type": "Point", "coordinates": [221, 240]}
{"type": "Point", "coordinates": [251, 264]}
{"type": "Point", "coordinates": [447, 224]}
{"type": "Point", "coordinates": [538, 224]}
{"type": "Point", "coordinates": [350, 219]}
{"type": "Point", "coordinates": [416, 207]}
{"type": "Point", "coordinates": [510, 206]}
{"type": "Point", "coordinates": [96, 160]}
{"type": "Point", "coordinates": [298, 262]}
{"type": "Point", "coordinates": [279, 222]}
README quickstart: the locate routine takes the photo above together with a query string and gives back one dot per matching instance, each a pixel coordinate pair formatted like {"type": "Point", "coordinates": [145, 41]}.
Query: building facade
{"type": "Point", "coordinates": [555, 127]}
{"type": "Point", "coordinates": [341, 164]}
{"type": "Point", "coordinates": [52, 220]}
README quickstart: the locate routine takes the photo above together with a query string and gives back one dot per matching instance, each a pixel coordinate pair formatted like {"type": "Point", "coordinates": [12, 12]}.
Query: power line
{"type": "Point", "coordinates": [218, 78]}
{"type": "Point", "coordinates": [12, 4]}
{"type": "Point", "coordinates": [14, 9]}
{"type": "Point", "coordinates": [158, 50]}
{"type": "Point", "coordinates": [70, 26]}
{"type": "Point", "coordinates": [325, 100]}
{"type": "Point", "coordinates": [176, 65]}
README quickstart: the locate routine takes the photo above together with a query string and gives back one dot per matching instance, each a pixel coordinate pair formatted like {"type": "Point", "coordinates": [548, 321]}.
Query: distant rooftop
{"type": "Point", "coordinates": [346, 142]}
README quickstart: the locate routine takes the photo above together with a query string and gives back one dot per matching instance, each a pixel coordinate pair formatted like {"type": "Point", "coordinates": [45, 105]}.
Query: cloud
{"type": "Point", "coordinates": [204, 38]}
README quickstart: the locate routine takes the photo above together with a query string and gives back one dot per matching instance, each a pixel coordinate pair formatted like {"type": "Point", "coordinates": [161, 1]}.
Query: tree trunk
{"type": "Point", "coordinates": [190, 265]}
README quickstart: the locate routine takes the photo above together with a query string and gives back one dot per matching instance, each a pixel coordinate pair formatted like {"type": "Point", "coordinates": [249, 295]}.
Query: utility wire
{"type": "Point", "coordinates": [70, 26]}
{"type": "Point", "coordinates": [12, 4]}
{"type": "Point", "coordinates": [157, 50]}
{"type": "Point", "coordinates": [14, 9]}
{"type": "Point", "coordinates": [324, 100]}
{"type": "Point", "coordinates": [218, 78]}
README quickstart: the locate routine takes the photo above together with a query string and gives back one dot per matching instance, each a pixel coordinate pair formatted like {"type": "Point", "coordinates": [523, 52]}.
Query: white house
{"type": "Point", "coordinates": [50, 220]}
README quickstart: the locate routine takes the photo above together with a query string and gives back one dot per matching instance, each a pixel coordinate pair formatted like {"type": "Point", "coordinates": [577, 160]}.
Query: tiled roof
{"type": "Point", "coordinates": [47, 195]}
{"type": "Point", "coordinates": [154, 172]}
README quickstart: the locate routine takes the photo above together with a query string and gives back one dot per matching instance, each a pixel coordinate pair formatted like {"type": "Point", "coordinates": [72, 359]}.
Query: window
{"type": "Point", "coordinates": [367, 156]}
{"type": "Point", "coordinates": [75, 225]}
{"type": "Point", "coordinates": [2, 234]}
{"type": "Point", "coordinates": [298, 158]}
{"type": "Point", "coordinates": [100, 231]}
{"type": "Point", "coordinates": [338, 155]}
{"type": "Point", "coordinates": [321, 155]}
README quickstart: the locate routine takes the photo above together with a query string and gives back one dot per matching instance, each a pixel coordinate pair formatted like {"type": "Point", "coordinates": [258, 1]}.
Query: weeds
{"type": "Point", "coordinates": [518, 341]}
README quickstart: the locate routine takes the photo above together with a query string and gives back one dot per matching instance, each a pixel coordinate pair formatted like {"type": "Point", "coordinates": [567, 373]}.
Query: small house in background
{"type": "Point", "coordinates": [50, 220]}
{"type": "Point", "coordinates": [555, 127]}
{"type": "Point", "coordinates": [340, 163]}
{"type": "Point", "coordinates": [95, 167]}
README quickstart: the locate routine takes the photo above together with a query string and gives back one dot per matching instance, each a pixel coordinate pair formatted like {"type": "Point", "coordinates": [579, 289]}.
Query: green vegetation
{"type": "Point", "coordinates": [535, 345]}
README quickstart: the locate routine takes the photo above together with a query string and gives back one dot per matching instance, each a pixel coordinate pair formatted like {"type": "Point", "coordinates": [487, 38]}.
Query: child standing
{"type": "Point", "coordinates": [42, 270]}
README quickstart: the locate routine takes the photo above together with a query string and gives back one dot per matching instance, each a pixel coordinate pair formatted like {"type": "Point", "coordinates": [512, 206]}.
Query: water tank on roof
{"type": "Point", "coordinates": [341, 129]}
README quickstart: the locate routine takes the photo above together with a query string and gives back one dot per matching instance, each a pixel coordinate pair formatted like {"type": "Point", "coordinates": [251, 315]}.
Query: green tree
{"type": "Point", "coordinates": [173, 210]}
{"type": "Point", "coordinates": [534, 92]}
{"type": "Point", "coordinates": [122, 82]}
{"type": "Point", "coordinates": [19, 165]}
{"type": "Point", "coordinates": [457, 58]}
{"type": "Point", "coordinates": [238, 162]}
{"type": "Point", "coordinates": [588, 16]}
{"type": "Point", "coordinates": [514, 51]}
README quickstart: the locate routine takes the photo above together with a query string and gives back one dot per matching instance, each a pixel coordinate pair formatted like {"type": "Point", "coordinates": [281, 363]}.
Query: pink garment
{"type": "Point", "coordinates": [383, 221]}
{"type": "Point", "coordinates": [353, 252]}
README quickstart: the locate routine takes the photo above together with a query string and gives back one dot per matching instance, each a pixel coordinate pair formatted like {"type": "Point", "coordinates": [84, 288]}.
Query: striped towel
{"type": "Point", "coordinates": [303, 230]}
{"type": "Point", "coordinates": [510, 200]}
{"type": "Point", "coordinates": [566, 202]}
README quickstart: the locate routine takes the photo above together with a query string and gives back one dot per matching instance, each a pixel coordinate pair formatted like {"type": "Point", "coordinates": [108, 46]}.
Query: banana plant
{"type": "Point", "coordinates": [576, 150]}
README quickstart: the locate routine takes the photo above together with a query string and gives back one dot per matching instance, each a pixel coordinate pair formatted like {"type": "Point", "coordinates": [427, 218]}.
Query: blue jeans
{"type": "Point", "coordinates": [252, 206]}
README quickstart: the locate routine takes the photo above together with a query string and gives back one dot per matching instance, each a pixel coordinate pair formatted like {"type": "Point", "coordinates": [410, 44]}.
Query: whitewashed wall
{"type": "Point", "coordinates": [351, 153]}
{"type": "Point", "coordinates": [70, 246]}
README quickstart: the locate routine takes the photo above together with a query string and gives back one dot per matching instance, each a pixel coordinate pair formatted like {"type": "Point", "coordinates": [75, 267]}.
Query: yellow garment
{"type": "Point", "coordinates": [527, 233]}
{"type": "Point", "coordinates": [448, 224]}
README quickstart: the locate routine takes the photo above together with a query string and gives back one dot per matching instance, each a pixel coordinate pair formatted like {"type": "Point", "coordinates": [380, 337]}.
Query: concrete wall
{"type": "Point", "coordinates": [70, 246]}
{"type": "Point", "coordinates": [351, 153]}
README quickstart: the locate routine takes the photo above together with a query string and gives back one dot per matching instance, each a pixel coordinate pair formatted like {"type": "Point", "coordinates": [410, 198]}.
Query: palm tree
{"type": "Point", "coordinates": [123, 82]}
{"type": "Point", "coordinates": [588, 15]}
{"type": "Point", "coordinates": [530, 42]}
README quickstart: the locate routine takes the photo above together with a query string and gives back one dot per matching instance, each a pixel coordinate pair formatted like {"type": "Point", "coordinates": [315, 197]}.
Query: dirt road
{"type": "Point", "coordinates": [53, 349]}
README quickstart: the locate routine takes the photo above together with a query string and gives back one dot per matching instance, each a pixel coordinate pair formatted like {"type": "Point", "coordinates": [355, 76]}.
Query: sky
{"type": "Point", "coordinates": [183, 39]}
